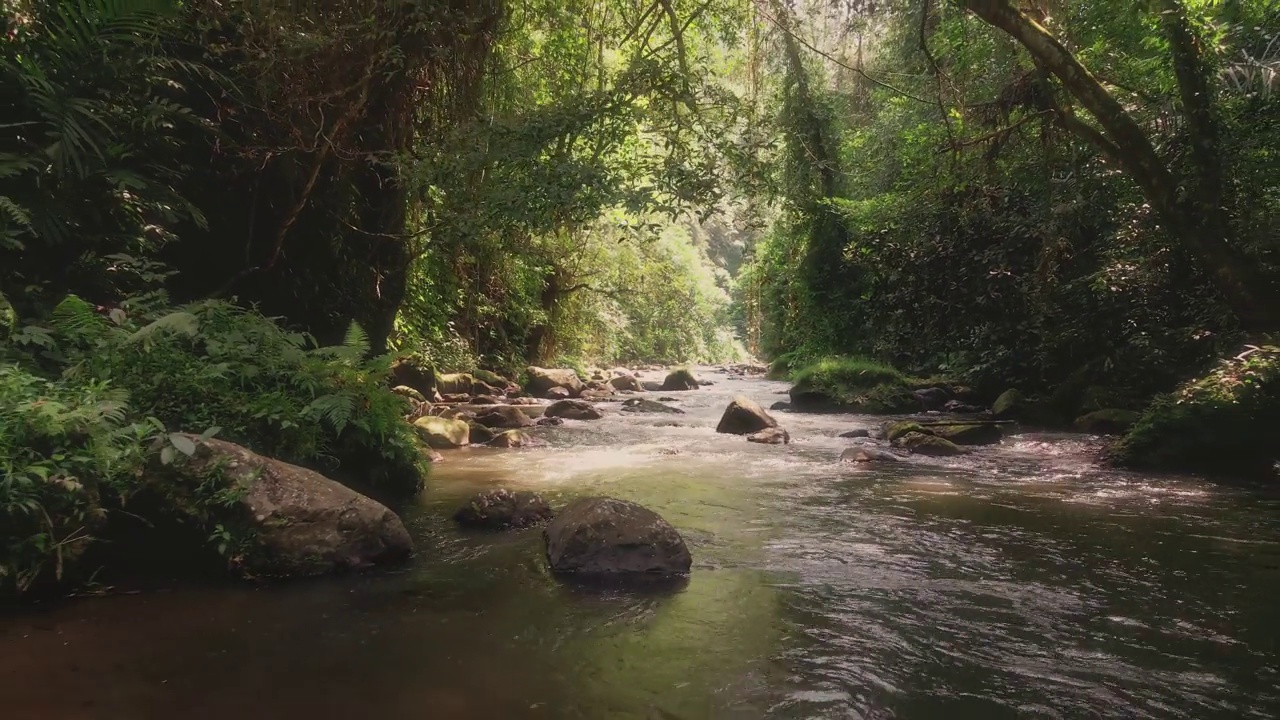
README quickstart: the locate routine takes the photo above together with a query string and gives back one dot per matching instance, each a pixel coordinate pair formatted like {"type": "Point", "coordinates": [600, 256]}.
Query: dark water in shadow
{"type": "Point", "coordinates": [1022, 581]}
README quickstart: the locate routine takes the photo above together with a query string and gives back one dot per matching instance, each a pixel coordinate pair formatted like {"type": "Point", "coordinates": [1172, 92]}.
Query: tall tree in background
{"type": "Point", "coordinates": [1190, 204]}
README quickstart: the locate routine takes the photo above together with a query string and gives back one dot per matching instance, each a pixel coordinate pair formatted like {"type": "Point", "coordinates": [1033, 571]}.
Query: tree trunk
{"type": "Point", "coordinates": [1197, 219]}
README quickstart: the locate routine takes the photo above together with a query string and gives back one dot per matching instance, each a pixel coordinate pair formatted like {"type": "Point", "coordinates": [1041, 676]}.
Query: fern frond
{"type": "Point", "coordinates": [177, 323]}
{"type": "Point", "coordinates": [356, 339]}
{"type": "Point", "coordinates": [335, 410]}
{"type": "Point", "coordinates": [77, 320]}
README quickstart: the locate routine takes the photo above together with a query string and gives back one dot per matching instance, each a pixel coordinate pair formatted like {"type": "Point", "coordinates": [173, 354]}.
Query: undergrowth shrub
{"type": "Point", "coordinates": [1226, 422]}
{"type": "Point", "coordinates": [88, 397]}
{"type": "Point", "coordinates": [854, 383]}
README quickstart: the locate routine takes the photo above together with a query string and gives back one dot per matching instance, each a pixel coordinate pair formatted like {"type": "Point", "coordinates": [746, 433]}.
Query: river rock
{"type": "Point", "coordinates": [931, 445]}
{"type": "Point", "coordinates": [780, 405]}
{"type": "Point", "coordinates": [867, 453]}
{"type": "Point", "coordinates": [855, 433]}
{"type": "Point", "coordinates": [557, 393]}
{"type": "Point", "coordinates": [641, 405]}
{"type": "Point", "coordinates": [977, 434]}
{"type": "Point", "coordinates": [542, 380]}
{"type": "Point", "coordinates": [296, 521]}
{"type": "Point", "coordinates": [524, 401]}
{"type": "Point", "coordinates": [479, 434]}
{"type": "Point", "coordinates": [573, 410]}
{"type": "Point", "coordinates": [484, 400]}
{"type": "Point", "coordinates": [550, 421]}
{"type": "Point", "coordinates": [607, 536]}
{"type": "Point", "coordinates": [514, 439]}
{"type": "Point", "coordinates": [770, 436]}
{"type": "Point", "coordinates": [651, 385]}
{"type": "Point", "coordinates": [681, 379]}
{"type": "Point", "coordinates": [626, 382]}
{"type": "Point", "coordinates": [505, 417]}
{"type": "Point", "coordinates": [961, 408]}
{"type": "Point", "coordinates": [442, 433]}
{"type": "Point", "coordinates": [932, 398]}
{"type": "Point", "coordinates": [407, 372]}
{"type": "Point", "coordinates": [1009, 405]}
{"type": "Point", "coordinates": [1107, 422]}
{"type": "Point", "coordinates": [456, 384]}
{"type": "Point", "coordinates": [743, 417]}
{"type": "Point", "coordinates": [504, 509]}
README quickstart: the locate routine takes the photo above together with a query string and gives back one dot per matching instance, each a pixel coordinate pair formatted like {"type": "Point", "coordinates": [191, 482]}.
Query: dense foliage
{"type": "Point", "coordinates": [977, 230]}
{"type": "Point", "coordinates": [223, 215]}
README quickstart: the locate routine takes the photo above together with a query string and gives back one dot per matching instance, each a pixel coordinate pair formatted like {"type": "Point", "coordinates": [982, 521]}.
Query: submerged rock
{"type": "Point", "coordinates": [855, 433]}
{"type": "Point", "coordinates": [543, 380]}
{"type": "Point", "coordinates": [681, 379]}
{"type": "Point", "coordinates": [743, 417]}
{"type": "Point", "coordinates": [770, 436]}
{"type": "Point", "coordinates": [288, 521]}
{"type": "Point", "coordinates": [867, 453]}
{"type": "Point", "coordinates": [573, 410]}
{"type": "Point", "coordinates": [607, 536]}
{"type": "Point", "coordinates": [977, 434]}
{"type": "Point", "coordinates": [550, 421]}
{"type": "Point", "coordinates": [640, 405]}
{"type": "Point", "coordinates": [780, 405]}
{"type": "Point", "coordinates": [504, 509]}
{"type": "Point", "coordinates": [442, 433]}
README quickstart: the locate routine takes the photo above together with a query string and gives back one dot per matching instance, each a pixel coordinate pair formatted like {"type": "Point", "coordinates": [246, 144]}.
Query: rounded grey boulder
{"type": "Point", "coordinates": [607, 536]}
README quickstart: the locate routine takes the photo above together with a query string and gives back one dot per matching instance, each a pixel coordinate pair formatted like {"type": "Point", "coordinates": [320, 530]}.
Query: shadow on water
{"type": "Point", "coordinates": [1020, 581]}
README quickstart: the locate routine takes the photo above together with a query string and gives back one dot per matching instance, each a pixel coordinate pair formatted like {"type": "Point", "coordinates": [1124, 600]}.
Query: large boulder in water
{"type": "Point", "coordinates": [743, 417]}
{"type": "Point", "coordinates": [573, 410]}
{"type": "Point", "coordinates": [1010, 405]}
{"type": "Point", "coordinates": [479, 434]}
{"type": "Point", "coordinates": [543, 379]}
{"type": "Point", "coordinates": [504, 416]}
{"type": "Point", "coordinates": [682, 379]}
{"type": "Point", "coordinates": [286, 521]}
{"type": "Point", "coordinates": [503, 509]}
{"type": "Point", "coordinates": [606, 536]}
{"type": "Point", "coordinates": [443, 433]}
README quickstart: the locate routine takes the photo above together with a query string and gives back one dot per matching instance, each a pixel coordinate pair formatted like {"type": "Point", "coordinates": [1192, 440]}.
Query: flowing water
{"type": "Point", "coordinates": [1021, 581]}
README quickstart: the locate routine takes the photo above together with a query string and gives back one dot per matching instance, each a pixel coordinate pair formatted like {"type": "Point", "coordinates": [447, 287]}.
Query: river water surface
{"type": "Point", "coordinates": [1021, 581]}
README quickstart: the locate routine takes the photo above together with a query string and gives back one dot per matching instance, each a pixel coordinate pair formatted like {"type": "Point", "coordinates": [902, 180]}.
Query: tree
{"type": "Point", "coordinates": [1191, 207]}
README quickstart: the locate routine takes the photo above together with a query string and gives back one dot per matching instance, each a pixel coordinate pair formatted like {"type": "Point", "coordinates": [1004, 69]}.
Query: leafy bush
{"type": "Point", "coordinates": [62, 445]}
{"type": "Point", "coordinates": [855, 383]}
{"type": "Point", "coordinates": [71, 448]}
{"type": "Point", "coordinates": [1224, 423]}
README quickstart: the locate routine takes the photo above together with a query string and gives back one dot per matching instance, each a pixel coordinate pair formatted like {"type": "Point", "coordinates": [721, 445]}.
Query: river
{"type": "Point", "coordinates": [1021, 581]}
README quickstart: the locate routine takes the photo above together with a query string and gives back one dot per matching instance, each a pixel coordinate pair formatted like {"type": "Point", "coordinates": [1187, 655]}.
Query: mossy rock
{"type": "Point", "coordinates": [895, 430]}
{"type": "Point", "coordinates": [1010, 405]}
{"type": "Point", "coordinates": [976, 434]}
{"type": "Point", "coordinates": [930, 445]}
{"type": "Point", "coordinates": [1226, 423]}
{"type": "Point", "coordinates": [491, 378]}
{"type": "Point", "coordinates": [442, 433]}
{"type": "Point", "coordinates": [1107, 422]}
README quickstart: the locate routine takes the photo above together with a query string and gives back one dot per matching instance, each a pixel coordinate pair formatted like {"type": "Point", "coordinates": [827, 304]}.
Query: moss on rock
{"type": "Point", "coordinates": [1226, 422]}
